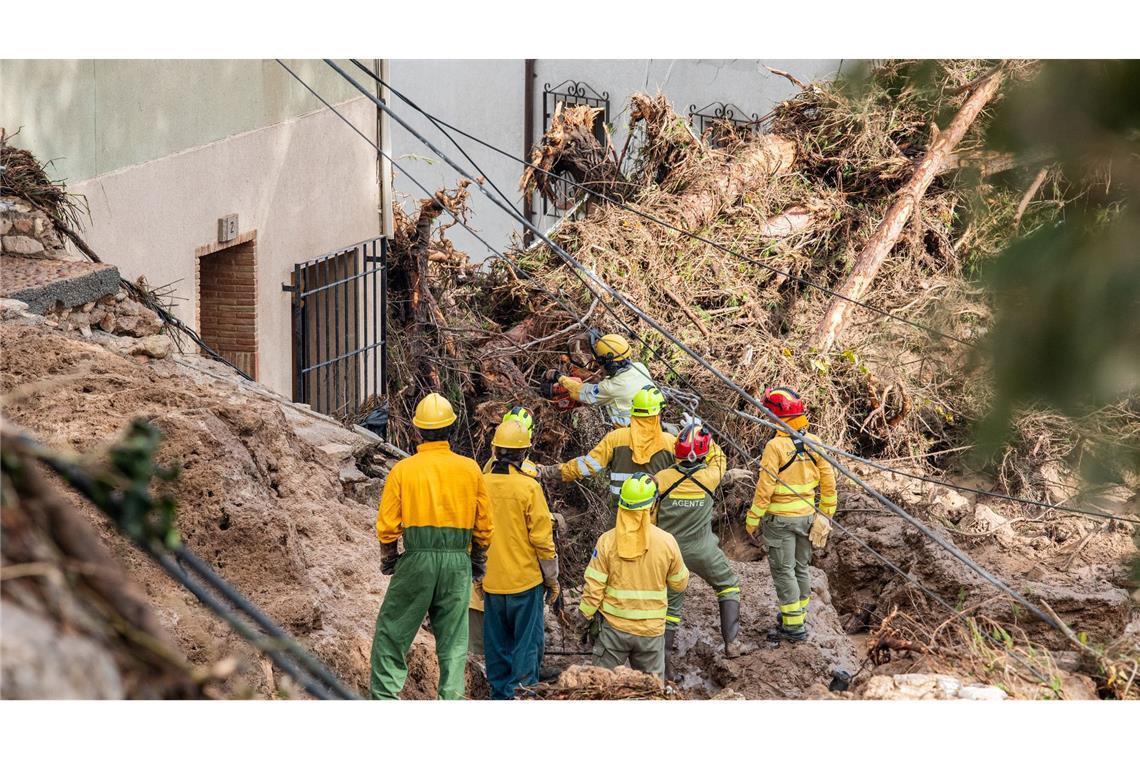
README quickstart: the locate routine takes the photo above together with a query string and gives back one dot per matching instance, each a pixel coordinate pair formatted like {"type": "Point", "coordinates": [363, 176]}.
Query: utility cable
{"type": "Point", "coordinates": [570, 260]}
{"type": "Point", "coordinates": [207, 586]}
{"type": "Point", "coordinates": [441, 124]}
{"type": "Point", "coordinates": [906, 576]}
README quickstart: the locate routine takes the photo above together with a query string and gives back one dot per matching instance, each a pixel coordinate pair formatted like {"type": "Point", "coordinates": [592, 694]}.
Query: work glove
{"type": "Point", "coordinates": [389, 554]}
{"type": "Point", "coordinates": [549, 472]}
{"type": "Point", "coordinates": [549, 569]}
{"type": "Point", "coordinates": [688, 419]}
{"type": "Point", "coordinates": [593, 630]}
{"type": "Point", "coordinates": [478, 563]}
{"type": "Point", "coordinates": [572, 385]}
{"type": "Point", "coordinates": [820, 530]}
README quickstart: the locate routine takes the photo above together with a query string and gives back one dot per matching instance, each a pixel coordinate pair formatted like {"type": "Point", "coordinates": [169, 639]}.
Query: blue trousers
{"type": "Point", "coordinates": [513, 639]}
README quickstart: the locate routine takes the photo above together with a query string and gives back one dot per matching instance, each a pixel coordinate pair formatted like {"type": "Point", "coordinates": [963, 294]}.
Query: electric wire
{"type": "Point", "coordinates": [443, 128]}
{"type": "Point", "coordinates": [906, 576]}
{"type": "Point", "coordinates": [441, 124]}
{"type": "Point", "coordinates": [649, 320]}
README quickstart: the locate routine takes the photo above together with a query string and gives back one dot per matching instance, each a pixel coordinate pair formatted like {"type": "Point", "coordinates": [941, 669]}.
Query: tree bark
{"type": "Point", "coordinates": [887, 234]}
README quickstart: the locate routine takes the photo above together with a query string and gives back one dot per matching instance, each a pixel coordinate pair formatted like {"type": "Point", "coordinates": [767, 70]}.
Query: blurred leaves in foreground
{"type": "Point", "coordinates": [1067, 295]}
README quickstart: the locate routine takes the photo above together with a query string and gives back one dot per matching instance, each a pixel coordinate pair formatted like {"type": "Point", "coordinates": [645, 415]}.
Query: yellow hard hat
{"type": "Point", "coordinates": [611, 348]}
{"type": "Point", "coordinates": [521, 415]}
{"type": "Point", "coordinates": [639, 491]}
{"type": "Point", "coordinates": [647, 402]}
{"type": "Point", "coordinates": [433, 412]}
{"type": "Point", "coordinates": [510, 434]}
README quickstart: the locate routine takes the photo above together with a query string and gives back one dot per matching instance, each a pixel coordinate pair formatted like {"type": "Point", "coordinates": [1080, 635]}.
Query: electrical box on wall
{"type": "Point", "coordinates": [227, 228]}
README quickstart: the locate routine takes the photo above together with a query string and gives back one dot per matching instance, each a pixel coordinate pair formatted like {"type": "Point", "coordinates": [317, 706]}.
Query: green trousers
{"type": "Point", "coordinates": [644, 653]}
{"type": "Point", "coordinates": [704, 558]}
{"type": "Point", "coordinates": [433, 578]}
{"type": "Point", "coordinates": [789, 557]}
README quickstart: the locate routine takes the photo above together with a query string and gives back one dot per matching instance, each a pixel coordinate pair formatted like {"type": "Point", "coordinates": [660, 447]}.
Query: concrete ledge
{"type": "Point", "coordinates": [44, 283]}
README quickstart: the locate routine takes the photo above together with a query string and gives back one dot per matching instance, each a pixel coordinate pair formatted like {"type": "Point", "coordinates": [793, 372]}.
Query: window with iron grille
{"type": "Point", "coordinates": [571, 93]}
{"type": "Point", "coordinates": [716, 122]}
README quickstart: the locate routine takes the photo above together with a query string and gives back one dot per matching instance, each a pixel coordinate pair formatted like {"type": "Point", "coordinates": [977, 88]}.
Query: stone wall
{"type": "Point", "coordinates": [27, 231]}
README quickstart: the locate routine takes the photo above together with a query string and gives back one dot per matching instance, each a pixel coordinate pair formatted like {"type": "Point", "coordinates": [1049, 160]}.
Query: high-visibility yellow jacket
{"type": "Point", "coordinates": [524, 533]}
{"type": "Point", "coordinates": [615, 452]}
{"type": "Point", "coordinates": [528, 468]}
{"type": "Point", "coordinates": [632, 594]}
{"type": "Point", "coordinates": [435, 491]}
{"type": "Point", "coordinates": [614, 393]}
{"type": "Point", "coordinates": [801, 474]}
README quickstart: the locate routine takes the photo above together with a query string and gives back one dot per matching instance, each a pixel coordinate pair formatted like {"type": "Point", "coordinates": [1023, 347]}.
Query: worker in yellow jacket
{"type": "Point", "coordinates": [634, 566]}
{"type": "Point", "coordinates": [437, 502]}
{"type": "Point", "coordinates": [522, 567]}
{"type": "Point", "coordinates": [783, 507]}
{"type": "Point", "coordinates": [624, 377]}
{"type": "Point", "coordinates": [641, 447]}
{"type": "Point", "coordinates": [521, 415]}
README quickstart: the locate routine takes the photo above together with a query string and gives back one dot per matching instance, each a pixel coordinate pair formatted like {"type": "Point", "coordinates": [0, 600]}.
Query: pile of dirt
{"type": "Point", "coordinates": [269, 494]}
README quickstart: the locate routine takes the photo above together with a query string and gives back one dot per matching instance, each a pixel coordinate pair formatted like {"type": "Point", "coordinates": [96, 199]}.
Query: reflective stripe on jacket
{"type": "Point", "coordinates": [632, 594]}
{"type": "Point", "coordinates": [615, 393]}
{"type": "Point", "coordinates": [795, 496]}
{"type": "Point", "coordinates": [523, 533]}
{"type": "Point", "coordinates": [434, 488]}
{"type": "Point", "coordinates": [615, 453]}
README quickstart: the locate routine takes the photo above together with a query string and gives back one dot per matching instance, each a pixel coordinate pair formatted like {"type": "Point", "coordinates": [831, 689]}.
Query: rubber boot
{"type": "Point", "coordinates": [730, 628]}
{"type": "Point", "coordinates": [670, 637]}
{"type": "Point", "coordinates": [780, 633]}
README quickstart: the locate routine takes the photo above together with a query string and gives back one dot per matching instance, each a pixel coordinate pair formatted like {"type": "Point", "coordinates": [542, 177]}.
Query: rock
{"type": "Point", "coordinates": [349, 475]}
{"type": "Point", "coordinates": [22, 246]}
{"type": "Point", "coordinates": [948, 503]}
{"type": "Point", "coordinates": [338, 451]}
{"type": "Point", "coordinates": [108, 322]}
{"type": "Point", "coordinates": [24, 226]}
{"type": "Point", "coordinates": [912, 686]}
{"type": "Point", "coordinates": [120, 297]}
{"type": "Point", "coordinates": [366, 433]}
{"type": "Point", "coordinates": [10, 308]}
{"type": "Point", "coordinates": [979, 691]}
{"type": "Point", "coordinates": [88, 307]}
{"type": "Point", "coordinates": [42, 662]}
{"type": "Point", "coordinates": [154, 346]}
{"type": "Point", "coordinates": [85, 331]}
{"type": "Point", "coordinates": [5, 224]}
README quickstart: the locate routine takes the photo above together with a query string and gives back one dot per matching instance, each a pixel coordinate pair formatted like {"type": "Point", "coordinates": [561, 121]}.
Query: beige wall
{"type": "Point", "coordinates": [96, 116]}
{"type": "Point", "coordinates": [307, 185]}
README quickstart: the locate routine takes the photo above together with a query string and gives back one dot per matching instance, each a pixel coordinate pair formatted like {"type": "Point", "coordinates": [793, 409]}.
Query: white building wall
{"type": "Point", "coordinates": [486, 99]}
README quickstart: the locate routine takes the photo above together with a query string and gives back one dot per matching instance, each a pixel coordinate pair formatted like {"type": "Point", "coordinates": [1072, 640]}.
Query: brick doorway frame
{"type": "Point", "coordinates": [225, 292]}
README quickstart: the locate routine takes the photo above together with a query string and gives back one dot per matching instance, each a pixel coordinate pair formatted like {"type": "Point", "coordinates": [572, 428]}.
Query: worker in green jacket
{"type": "Point", "coordinates": [684, 509]}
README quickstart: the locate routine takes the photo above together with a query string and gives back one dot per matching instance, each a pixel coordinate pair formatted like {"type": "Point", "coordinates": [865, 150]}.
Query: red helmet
{"type": "Point", "coordinates": [692, 444]}
{"type": "Point", "coordinates": [783, 402]}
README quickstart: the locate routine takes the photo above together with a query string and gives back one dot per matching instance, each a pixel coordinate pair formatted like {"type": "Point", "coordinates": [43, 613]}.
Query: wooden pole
{"type": "Point", "coordinates": [879, 245]}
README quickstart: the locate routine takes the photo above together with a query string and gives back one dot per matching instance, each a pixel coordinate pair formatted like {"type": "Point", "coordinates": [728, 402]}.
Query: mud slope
{"type": "Point", "coordinates": [265, 506]}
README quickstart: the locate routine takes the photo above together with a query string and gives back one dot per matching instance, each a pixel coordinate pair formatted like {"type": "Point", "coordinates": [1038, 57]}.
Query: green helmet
{"type": "Point", "coordinates": [647, 402]}
{"type": "Point", "coordinates": [639, 491]}
{"type": "Point", "coordinates": [521, 415]}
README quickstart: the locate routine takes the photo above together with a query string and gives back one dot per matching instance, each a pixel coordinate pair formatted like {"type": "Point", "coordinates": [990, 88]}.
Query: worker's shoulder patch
{"type": "Point", "coordinates": [529, 468]}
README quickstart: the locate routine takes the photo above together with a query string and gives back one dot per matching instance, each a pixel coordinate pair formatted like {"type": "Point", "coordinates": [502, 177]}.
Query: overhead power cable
{"type": "Point", "coordinates": [444, 128]}
{"type": "Point", "coordinates": [906, 576]}
{"type": "Point", "coordinates": [441, 124]}
{"type": "Point", "coordinates": [728, 382]}
{"type": "Point", "coordinates": [204, 583]}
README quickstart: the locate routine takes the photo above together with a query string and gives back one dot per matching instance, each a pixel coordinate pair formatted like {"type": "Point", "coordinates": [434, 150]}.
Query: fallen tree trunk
{"type": "Point", "coordinates": [887, 234]}
{"type": "Point", "coordinates": [570, 147]}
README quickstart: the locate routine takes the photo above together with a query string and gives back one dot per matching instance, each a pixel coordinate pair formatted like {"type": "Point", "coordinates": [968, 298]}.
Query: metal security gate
{"type": "Point", "coordinates": [571, 93]}
{"type": "Point", "coordinates": [339, 333]}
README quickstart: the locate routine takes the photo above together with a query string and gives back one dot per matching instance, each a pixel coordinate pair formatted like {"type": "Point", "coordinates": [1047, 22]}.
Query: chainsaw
{"type": "Point", "coordinates": [578, 362]}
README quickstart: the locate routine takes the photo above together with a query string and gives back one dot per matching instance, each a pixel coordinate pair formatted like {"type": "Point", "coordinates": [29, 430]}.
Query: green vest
{"type": "Point", "coordinates": [622, 467]}
{"type": "Point", "coordinates": [687, 517]}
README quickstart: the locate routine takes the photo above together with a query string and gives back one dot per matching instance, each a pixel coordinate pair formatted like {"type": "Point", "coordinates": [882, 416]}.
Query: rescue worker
{"type": "Point", "coordinates": [634, 566]}
{"type": "Point", "coordinates": [624, 377]}
{"type": "Point", "coordinates": [438, 502]}
{"type": "Point", "coordinates": [523, 416]}
{"type": "Point", "coordinates": [522, 566]}
{"type": "Point", "coordinates": [684, 510]}
{"type": "Point", "coordinates": [641, 447]}
{"type": "Point", "coordinates": [785, 511]}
